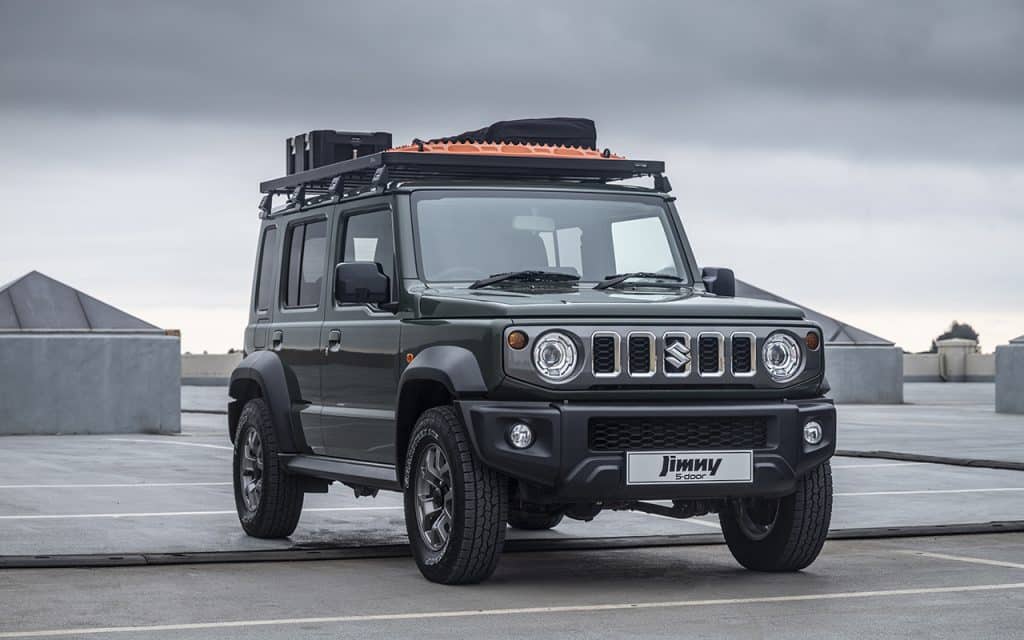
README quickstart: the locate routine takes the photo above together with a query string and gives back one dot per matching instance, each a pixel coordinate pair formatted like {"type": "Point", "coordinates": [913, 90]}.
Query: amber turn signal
{"type": "Point", "coordinates": [517, 340]}
{"type": "Point", "coordinates": [813, 341]}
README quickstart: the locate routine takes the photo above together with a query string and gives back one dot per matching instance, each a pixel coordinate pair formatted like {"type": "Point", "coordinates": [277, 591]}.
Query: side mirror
{"type": "Point", "coordinates": [361, 282]}
{"type": "Point", "coordinates": [719, 281]}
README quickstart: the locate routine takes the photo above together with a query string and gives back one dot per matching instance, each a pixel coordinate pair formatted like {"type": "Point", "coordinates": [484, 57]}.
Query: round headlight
{"type": "Point", "coordinates": [555, 356]}
{"type": "Point", "coordinates": [782, 357]}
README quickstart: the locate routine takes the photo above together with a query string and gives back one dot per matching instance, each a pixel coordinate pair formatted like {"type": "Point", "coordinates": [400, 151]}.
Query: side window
{"type": "Point", "coordinates": [369, 238]}
{"type": "Point", "coordinates": [264, 282]}
{"type": "Point", "coordinates": [307, 248]}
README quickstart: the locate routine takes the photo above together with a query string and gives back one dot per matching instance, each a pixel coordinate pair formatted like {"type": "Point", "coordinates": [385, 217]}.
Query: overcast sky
{"type": "Point", "coordinates": [865, 159]}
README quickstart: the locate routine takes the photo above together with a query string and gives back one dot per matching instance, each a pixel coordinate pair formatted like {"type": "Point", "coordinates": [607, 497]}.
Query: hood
{"type": "Point", "coordinates": [522, 302]}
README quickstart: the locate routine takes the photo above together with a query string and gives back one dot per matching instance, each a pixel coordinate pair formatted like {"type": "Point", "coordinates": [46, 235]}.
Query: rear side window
{"type": "Point", "coordinates": [307, 249]}
{"type": "Point", "coordinates": [264, 284]}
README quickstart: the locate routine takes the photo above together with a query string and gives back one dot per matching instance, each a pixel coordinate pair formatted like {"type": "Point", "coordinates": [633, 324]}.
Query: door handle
{"type": "Point", "coordinates": [333, 341]}
{"type": "Point", "coordinates": [276, 340]}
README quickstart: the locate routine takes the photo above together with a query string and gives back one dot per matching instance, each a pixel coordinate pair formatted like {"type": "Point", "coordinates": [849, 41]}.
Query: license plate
{"type": "Point", "coordinates": [689, 467]}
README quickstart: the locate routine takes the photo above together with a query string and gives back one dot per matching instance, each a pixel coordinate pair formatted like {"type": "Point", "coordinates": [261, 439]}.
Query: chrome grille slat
{"type": "Point", "coordinates": [605, 354]}
{"type": "Point", "coordinates": [711, 354]}
{"type": "Point", "coordinates": [744, 354]}
{"type": "Point", "coordinates": [641, 354]}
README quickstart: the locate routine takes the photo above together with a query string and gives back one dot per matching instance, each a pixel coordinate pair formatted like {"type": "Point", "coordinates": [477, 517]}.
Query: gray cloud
{"type": "Point", "coordinates": [938, 79]}
{"type": "Point", "coordinates": [871, 153]}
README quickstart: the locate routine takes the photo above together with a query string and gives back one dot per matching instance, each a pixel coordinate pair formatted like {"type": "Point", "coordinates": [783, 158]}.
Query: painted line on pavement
{"type": "Point", "coordinates": [475, 613]}
{"type": "Point", "coordinates": [182, 444]}
{"type": "Point", "coordinates": [703, 523]}
{"type": "Point", "coordinates": [984, 561]}
{"type": "Point", "coordinates": [912, 492]}
{"type": "Point", "coordinates": [127, 485]}
{"type": "Point", "coordinates": [875, 465]}
{"type": "Point", "coordinates": [158, 514]}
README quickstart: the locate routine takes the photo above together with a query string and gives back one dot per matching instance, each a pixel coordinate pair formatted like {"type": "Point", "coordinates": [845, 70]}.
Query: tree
{"type": "Point", "coordinates": [956, 330]}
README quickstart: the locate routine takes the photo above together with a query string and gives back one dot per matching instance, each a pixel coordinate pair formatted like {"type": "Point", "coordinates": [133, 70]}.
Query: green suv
{"type": "Point", "coordinates": [498, 330]}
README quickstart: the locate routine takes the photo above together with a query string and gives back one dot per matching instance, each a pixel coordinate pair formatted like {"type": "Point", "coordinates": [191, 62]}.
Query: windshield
{"type": "Point", "coordinates": [466, 236]}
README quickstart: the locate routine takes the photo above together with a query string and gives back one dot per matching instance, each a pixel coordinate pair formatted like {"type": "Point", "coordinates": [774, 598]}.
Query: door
{"type": "Point", "coordinates": [295, 332]}
{"type": "Point", "coordinates": [361, 341]}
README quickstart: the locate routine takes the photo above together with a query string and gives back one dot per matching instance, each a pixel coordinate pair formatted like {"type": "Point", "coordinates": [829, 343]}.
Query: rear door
{"type": "Point", "coordinates": [361, 342]}
{"type": "Point", "coordinates": [295, 331]}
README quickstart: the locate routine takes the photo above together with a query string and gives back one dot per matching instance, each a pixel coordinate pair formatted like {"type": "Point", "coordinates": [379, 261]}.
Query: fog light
{"type": "Point", "coordinates": [812, 432]}
{"type": "Point", "coordinates": [520, 435]}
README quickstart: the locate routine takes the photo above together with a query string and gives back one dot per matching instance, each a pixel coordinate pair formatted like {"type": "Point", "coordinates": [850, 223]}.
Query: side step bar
{"type": "Point", "coordinates": [353, 472]}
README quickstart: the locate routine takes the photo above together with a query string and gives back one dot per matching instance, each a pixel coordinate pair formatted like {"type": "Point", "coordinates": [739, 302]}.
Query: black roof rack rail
{"type": "Point", "coordinates": [359, 173]}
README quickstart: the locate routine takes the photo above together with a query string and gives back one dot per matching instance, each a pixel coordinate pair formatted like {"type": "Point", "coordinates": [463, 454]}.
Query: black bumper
{"type": "Point", "coordinates": [560, 466]}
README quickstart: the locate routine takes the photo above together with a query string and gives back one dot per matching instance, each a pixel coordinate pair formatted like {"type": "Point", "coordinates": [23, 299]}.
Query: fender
{"type": "Point", "coordinates": [263, 374]}
{"type": "Point", "coordinates": [436, 376]}
{"type": "Point", "coordinates": [454, 367]}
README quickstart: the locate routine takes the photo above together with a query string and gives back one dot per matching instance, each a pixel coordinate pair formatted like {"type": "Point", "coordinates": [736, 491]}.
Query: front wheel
{"type": "Point", "coordinates": [781, 534]}
{"type": "Point", "coordinates": [455, 508]}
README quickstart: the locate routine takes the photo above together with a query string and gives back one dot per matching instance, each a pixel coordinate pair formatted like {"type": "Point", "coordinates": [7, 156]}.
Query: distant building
{"type": "Point", "coordinates": [70, 363]}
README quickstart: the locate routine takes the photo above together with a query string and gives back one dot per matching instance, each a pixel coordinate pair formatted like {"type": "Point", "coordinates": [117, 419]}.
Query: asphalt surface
{"type": "Point", "coordinates": [150, 494]}
{"type": "Point", "coordinates": [948, 587]}
{"type": "Point", "coordinates": [147, 494]}
{"type": "Point", "coordinates": [939, 419]}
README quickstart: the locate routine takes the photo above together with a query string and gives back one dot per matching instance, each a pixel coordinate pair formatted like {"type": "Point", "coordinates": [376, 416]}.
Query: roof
{"type": "Point", "coordinates": [1017, 340]}
{"type": "Point", "coordinates": [836, 332]}
{"type": "Point", "coordinates": [36, 302]}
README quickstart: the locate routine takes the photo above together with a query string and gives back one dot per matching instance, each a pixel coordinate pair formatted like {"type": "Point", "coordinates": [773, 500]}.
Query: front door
{"type": "Point", "coordinates": [295, 332]}
{"type": "Point", "coordinates": [360, 343]}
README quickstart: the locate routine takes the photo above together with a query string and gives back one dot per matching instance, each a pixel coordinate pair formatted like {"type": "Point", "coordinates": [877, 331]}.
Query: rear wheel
{"type": "Point", "coordinates": [267, 498]}
{"type": "Point", "coordinates": [781, 534]}
{"type": "Point", "coordinates": [455, 508]}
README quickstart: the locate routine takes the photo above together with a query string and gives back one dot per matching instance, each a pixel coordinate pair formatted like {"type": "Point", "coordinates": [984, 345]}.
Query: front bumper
{"type": "Point", "coordinates": [560, 467]}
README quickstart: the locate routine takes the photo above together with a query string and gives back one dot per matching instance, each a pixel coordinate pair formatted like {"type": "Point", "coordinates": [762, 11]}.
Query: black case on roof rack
{"type": "Point", "coordinates": [323, 147]}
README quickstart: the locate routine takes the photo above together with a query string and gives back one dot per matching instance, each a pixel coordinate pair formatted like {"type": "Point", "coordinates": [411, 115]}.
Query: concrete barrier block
{"type": "Point", "coordinates": [865, 374]}
{"type": "Point", "coordinates": [1010, 378]}
{"type": "Point", "coordinates": [89, 383]}
{"type": "Point", "coordinates": [208, 369]}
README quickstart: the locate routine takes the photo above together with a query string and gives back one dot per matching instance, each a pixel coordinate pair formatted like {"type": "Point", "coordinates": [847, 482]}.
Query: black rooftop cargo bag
{"type": "Point", "coordinates": [568, 132]}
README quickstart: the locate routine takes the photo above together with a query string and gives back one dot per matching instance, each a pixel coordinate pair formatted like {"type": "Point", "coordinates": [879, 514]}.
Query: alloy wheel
{"type": "Point", "coordinates": [251, 470]}
{"type": "Point", "coordinates": [434, 498]}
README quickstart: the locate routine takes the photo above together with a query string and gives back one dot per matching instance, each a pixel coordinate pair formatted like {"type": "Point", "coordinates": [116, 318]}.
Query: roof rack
{"type": "Point", "coordinates": [464, 160]}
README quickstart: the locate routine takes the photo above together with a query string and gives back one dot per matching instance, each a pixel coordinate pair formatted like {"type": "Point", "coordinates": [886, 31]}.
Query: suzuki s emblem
{"type": "Point", "coordinates": [677, 354]}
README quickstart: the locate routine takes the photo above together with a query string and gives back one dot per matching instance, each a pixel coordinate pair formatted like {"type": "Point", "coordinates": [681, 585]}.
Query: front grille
{"type": "Point", "coordinates": [604, 354]}
{"type": "Point", "coordinates": [640, 355]}
{"type": "Point", "coordinates": [709, 355]}
{"type": "Point", "coordinates": [676, 433]}
{"type": "Point", "coordinates": [742, 354]}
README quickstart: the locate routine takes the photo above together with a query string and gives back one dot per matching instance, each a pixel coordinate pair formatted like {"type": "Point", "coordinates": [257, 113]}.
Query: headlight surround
{"type": "Point", "coordinates": [555, 356]}
{"type": "Point", "coordinates": [782, 357]}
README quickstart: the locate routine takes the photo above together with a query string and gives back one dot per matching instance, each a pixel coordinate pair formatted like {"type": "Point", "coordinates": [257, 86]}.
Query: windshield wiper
{"type": "Point", "coordinates": [525, 276]}
{"type": "Point", "coordinates": [675, 282]}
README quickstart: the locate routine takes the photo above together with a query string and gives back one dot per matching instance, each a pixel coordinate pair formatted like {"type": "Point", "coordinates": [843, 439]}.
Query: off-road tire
{"type": "Point", "coordinates": [479, 504]}
{"type": "Point", "coordinates": [533, 521]}
{"type": "Point", "coordinates": [280, 503]}
{"type": "Point", "coordinates": [799, 531]}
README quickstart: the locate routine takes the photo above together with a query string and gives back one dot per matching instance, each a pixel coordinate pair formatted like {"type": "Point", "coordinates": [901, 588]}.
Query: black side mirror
{"type": "Point", "coordinates": [719, 281]}
{"type": "Point", "coordinates": [361, 282]}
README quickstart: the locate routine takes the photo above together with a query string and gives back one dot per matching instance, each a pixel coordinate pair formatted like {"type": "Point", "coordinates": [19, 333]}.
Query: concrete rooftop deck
{"type": "Point", "coordinates": [137, 494]}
